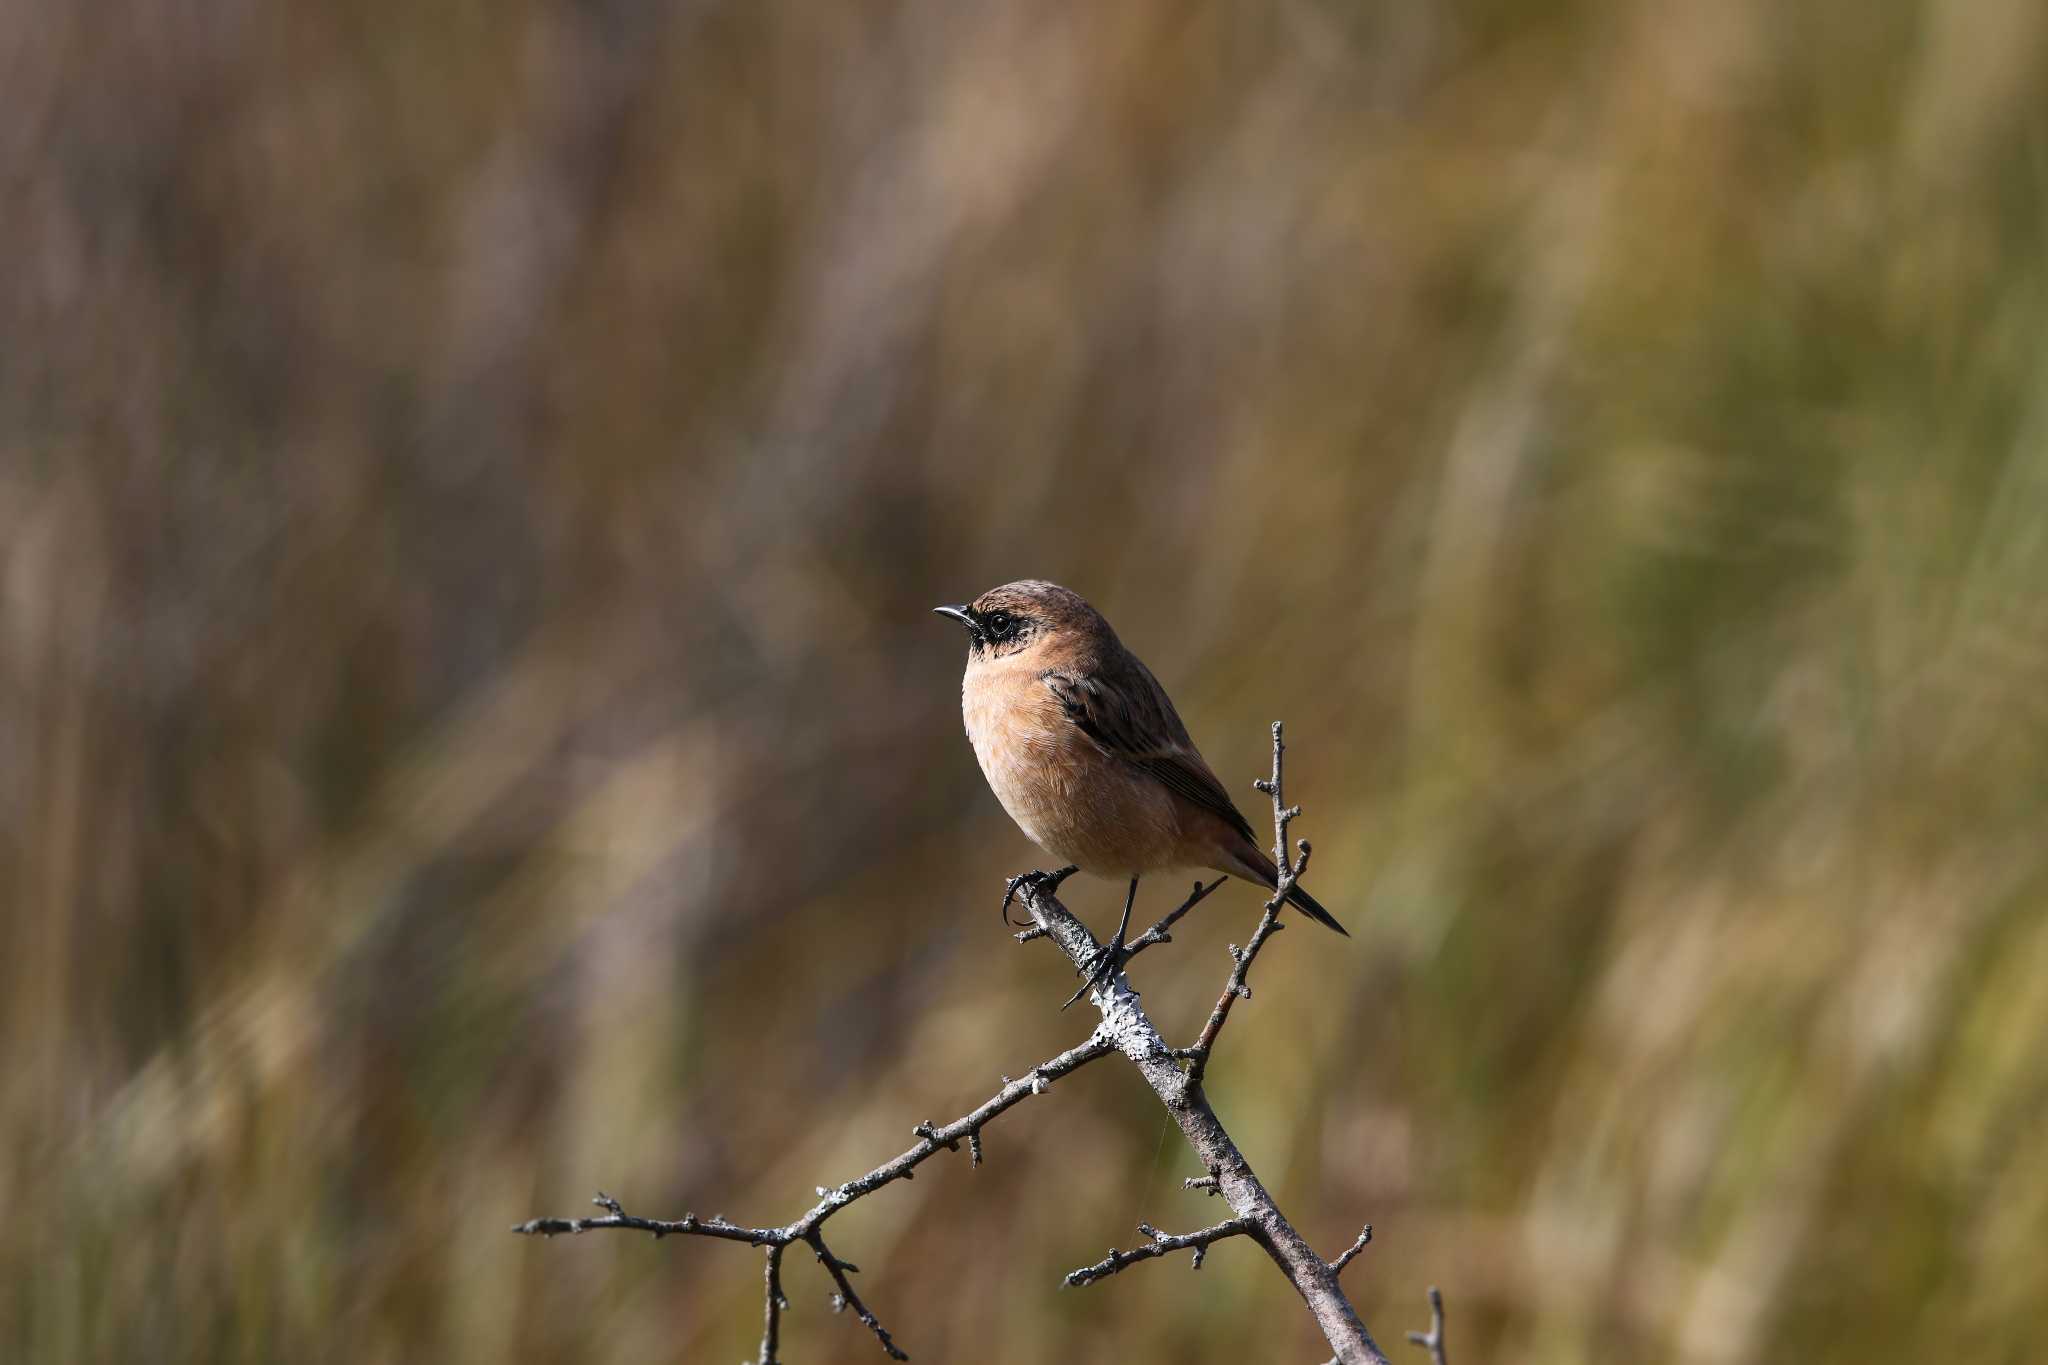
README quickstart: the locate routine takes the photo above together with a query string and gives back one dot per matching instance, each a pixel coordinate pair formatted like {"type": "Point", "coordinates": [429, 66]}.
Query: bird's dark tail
{"type": "Point", "coordinates": [1308, 905]}
{"type": "Point", "coordinates": [1296, 897]}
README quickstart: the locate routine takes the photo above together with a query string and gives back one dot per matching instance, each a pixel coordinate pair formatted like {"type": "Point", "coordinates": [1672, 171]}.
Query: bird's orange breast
{"type": "Point", "coordinates": [1078, 803]}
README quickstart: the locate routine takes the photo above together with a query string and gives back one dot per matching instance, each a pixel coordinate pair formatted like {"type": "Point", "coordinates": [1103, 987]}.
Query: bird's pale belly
{"type": "Point", "coordinates": [1072, 800]}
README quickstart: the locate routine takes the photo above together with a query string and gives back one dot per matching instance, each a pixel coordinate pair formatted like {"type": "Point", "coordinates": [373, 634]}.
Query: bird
{"type": "Point", "coordinates": [1084, 750]}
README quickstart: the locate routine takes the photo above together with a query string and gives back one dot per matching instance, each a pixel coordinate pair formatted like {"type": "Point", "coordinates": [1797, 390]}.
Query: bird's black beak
{"type": "Point", "coordinates": [963, 616]}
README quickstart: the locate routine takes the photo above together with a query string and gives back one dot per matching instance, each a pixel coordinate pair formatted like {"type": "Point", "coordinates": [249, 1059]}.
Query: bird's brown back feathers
{"type": "Point", "coordinates": [1122, 707]}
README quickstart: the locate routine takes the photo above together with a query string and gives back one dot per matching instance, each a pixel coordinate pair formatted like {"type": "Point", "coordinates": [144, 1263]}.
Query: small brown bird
{"type": "Point", "coordinates": [1085, 751]}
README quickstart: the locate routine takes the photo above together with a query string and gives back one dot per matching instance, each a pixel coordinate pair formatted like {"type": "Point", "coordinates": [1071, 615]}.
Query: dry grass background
{"type": "Point", "coordinates": [472, 479]}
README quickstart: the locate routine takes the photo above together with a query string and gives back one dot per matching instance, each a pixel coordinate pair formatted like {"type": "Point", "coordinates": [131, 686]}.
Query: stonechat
{"type": "Point", "coordinates": [1084, 749]}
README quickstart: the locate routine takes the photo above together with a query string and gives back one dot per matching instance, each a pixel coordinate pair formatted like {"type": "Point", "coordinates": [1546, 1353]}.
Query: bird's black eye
{"type": "Point", "coordinates": [999, 624]}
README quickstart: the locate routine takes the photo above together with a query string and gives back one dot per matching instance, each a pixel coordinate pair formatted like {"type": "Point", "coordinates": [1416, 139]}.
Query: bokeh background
{"type": "Point", "coordinates": [472, 481]}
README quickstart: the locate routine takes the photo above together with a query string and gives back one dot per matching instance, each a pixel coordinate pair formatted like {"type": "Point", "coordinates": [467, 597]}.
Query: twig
{"type": "Point", "coordinates": [617, 1218]}
{"type": "Point", "coordinates": [1157, 933]}
{"type": "Point", "coordinates": [846, 1298]}
{"type": "Point", "coordinates": [1290, 871]}
{"type": "Point", "coordinates": [771, 1327]}
{"type": "Point", "coordinates": [931, 1139]}
{"type": "Point", "coordinates": [1350, 1252]}
{"type": "Point", "coordinates": [1161, 1244]}
{"type": "Point", "coordinates": [1433, 1340]}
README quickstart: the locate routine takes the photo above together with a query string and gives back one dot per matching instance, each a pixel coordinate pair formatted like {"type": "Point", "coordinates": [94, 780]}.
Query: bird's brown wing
{"type": "Point", "coordinates": [1128, 715]}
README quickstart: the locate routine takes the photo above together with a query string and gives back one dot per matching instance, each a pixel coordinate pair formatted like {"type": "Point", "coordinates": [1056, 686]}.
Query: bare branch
{"type": "Point", "coordinates": [1350, 1252]}
{"type": "Point", "coordinates": [617, 1218]}
{"type": "Point", "coordinates": [1290, 870]}
{"type": "Point", "coordinates": [1432, 1341]}
{"type": "Point", "coordinates": [1160, 1245]}
{"type": "Point", "coordinates": [1124, 1028]}
{"type": "Point", "coordinates": [847, 1298]}
{"type": "Point", "coordinates": [1157, 933]}
{"type": "Point", "coordinates": [931, 1138]}
{"type": "Point", "coordinates": [771, 1327]}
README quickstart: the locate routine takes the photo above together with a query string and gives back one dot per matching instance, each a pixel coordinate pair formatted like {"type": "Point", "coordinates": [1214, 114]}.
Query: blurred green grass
{"type": "Point", "coordinates": [472, 479]}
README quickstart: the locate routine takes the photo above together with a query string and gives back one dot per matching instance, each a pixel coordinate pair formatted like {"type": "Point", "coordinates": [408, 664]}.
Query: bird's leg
{"type": "Point", "coordinates": [1039, 881]}
{"type": "Point", "coordinates": [1103, 966]}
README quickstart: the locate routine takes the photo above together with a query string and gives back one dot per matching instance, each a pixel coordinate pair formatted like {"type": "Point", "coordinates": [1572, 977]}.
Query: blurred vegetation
{"type": "Point", "coordinates": [473, 481]}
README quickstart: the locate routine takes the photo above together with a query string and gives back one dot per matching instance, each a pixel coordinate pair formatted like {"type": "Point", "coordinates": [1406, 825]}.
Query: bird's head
{"type": "Point", "coordinates": [1029, 618]}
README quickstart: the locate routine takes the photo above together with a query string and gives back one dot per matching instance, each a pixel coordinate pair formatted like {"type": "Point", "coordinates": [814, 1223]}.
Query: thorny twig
{"type": "Point", "coordinates": [931, 1139]}
{"type": "Point", "coordinates": [1290, 870]}
{"type": "Point", "coordinates": [1157, 933]}
{"type": "Point", "coordinates": [1350, 1252]}
{"type": "Point", "coordinates": [771, 1327]}
{"type": "Point", "coordinates": [846, 1298]}
{"type": "Point", "coordinates": [1161, 1244]}
{"type": "Point", "coordinates": [1432, 1341]}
